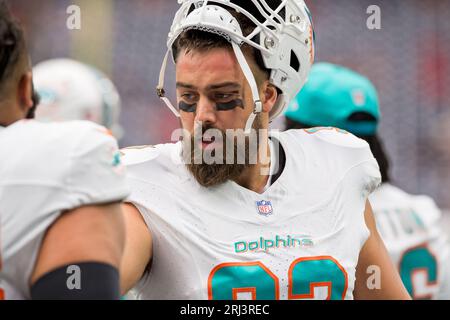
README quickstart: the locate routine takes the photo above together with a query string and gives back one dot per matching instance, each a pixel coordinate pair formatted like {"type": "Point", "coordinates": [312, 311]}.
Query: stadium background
{"type": "Point", "coordinates": [408, 60]}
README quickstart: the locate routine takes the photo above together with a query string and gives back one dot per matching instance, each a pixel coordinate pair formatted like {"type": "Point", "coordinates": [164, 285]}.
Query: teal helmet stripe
{"type": "Point", "coordinates": [331, 95]}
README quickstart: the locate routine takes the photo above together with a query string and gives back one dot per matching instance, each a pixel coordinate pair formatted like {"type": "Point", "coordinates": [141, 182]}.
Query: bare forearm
{"type": "Point", "coordinates": [138, 249]}
{"type": "Point", "coordinates": [376, 275]}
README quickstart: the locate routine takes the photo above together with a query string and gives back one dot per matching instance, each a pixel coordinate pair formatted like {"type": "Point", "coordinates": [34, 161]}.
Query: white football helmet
{"type": "Point", "coordinates": [286, 42]}
{"type": "Point", "coordinates": [71, 90]}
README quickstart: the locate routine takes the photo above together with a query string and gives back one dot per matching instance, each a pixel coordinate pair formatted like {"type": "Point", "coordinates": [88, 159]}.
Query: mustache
{"type": "Point", "coordinates": [202, 129]}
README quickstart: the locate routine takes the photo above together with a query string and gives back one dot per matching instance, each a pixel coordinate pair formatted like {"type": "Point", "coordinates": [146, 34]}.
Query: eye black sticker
{"type": "Point", "coordinates": [233, 104]}
{"type": "Point", "coordinates": [187, 107]}
{"type": "Point", "coordinates": [230, 105]}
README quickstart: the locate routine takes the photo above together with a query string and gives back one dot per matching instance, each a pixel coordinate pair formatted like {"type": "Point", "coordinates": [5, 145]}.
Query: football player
{"type": "Point", "coordinates": [71, 90]}
{"type": "Point", "coordinates": [293, 224]}
{"type": "Point", "coordinates": [61, 184]}
{"type": "Point", "coordinates": [409, 224]}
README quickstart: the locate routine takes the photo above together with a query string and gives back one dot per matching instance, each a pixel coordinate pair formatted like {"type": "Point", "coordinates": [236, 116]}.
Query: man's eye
{"type": "Point", "coordinates": [189, 97]}
{"type": "Point", "coordinates": [224, 96]}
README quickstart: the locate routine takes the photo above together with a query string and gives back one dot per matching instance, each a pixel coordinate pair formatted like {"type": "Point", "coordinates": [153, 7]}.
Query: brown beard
{"type": "Point", "coordinates": [214, 174]}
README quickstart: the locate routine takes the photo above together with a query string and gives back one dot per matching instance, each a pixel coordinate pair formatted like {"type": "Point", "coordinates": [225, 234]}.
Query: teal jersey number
{"type": "Point", "coordinates": [307, 273]}
{"type": "Point", "coordinates": [415, 260]}
{"type": "Point", "coordinates": [228, 280]}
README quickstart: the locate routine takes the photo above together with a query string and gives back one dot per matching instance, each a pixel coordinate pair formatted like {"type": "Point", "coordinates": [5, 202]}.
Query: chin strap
{"type": "Point", "coordinates": [160, 88]}
{"type": "Point", "coordinates": [257, 104]}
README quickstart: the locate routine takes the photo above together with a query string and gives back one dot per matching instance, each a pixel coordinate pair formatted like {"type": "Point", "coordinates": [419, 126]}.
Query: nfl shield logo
{"type": "Point", "coordinates": [264, 207]}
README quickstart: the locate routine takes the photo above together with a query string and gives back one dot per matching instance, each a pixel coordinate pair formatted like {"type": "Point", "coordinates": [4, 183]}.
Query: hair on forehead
{"type": "Point", "coordinates": [201, 41]}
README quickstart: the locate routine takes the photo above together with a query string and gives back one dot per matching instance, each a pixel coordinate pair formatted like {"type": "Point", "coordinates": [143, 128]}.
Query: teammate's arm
{"type": "Point", "coordinates": [374, 253]}
{"type": "Point", "coordinates": [89, 238]}
{"type": "Point", "coordinates": [138, 248]}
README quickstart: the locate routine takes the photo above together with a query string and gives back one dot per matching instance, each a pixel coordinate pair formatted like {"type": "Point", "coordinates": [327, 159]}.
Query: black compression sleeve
{"type": "Point", "coordinates": [79, 281]}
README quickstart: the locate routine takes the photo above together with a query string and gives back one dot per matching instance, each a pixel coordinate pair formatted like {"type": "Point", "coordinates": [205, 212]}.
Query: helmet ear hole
{"type": "Point", "coordinates": [295, 63]}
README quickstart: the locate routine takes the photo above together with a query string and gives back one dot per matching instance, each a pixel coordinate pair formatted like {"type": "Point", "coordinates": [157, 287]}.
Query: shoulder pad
{"type": "Point", "coordinates": [138, 154]}
{"type": "Point", "coordinates": [336, 137]}
{"type": "Point", "coordinates": [427, 209]}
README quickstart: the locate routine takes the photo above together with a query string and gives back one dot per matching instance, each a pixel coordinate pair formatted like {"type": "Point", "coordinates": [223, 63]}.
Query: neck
{"type": "Point", "coordinates": [9, 114]}
{"type": "Point", "coordinates": [255, 177]}
{"type": "Point", "coordinates": [8, 120]}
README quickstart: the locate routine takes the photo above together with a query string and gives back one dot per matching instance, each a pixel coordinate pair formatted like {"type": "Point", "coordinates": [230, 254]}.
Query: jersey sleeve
{"type": "Point", "coordinates": [153, 177]}
{"type": "Point", "coordinates": [363, 171]}
{"type": "Point", "coordinates": [96, 174]}
{"type": "Point", "coordinates": [352, 157]}
{"type": "Point", "coordinates": [353, 174]}
{"type": "Point", "coordinates": [370, 175]}
{"type": "Point", "coordinates": [145, 176]}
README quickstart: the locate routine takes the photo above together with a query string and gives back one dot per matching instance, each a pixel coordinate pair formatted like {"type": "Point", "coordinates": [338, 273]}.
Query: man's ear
{"type": "Point", "coordinates": [25, 92]}
{"type": "Point", "coordinates": [270, 96]}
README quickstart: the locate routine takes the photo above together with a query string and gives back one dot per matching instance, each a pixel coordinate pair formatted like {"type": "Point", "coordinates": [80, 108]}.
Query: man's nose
{"type": "Point", "coordinates": [206, 111]}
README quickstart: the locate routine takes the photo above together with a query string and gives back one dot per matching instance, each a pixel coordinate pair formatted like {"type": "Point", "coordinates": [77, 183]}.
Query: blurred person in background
{"type": "Point", "coordinates": [410, 225]}
{"type": "Point", "coordinates": [71, 90]}
{"type": "Point", "coordinates": [61, 187]}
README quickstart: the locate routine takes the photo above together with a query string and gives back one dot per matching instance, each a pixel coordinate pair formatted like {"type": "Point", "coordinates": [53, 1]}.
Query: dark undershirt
{"type": "Point", "coordinates": [281, 160]}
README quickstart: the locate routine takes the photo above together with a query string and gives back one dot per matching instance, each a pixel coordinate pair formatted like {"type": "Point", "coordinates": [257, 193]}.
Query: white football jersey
{"type": "Point", "coordinates": [46, 169]}
{"type": "Point", "coordinates": [300, 239]}
{"type": "Point", "coordinates": [410, 228]}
